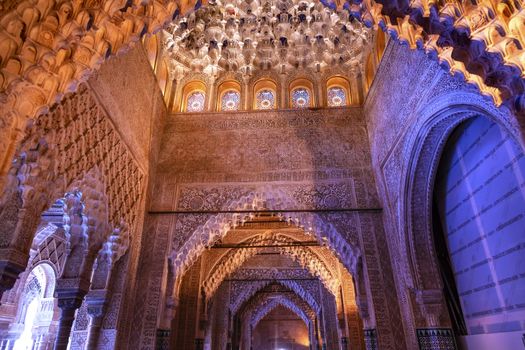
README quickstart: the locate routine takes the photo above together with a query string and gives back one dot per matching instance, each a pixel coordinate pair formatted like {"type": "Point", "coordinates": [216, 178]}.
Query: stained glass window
{"type": "Point", "coordinates": [195, 102]}
{"type": "Point", "coordinates": [336, 97]}
{"type": "Point", "coordinates": [265, 99]}
{"type": "Point", "coordinates": [230, 101]}
{"type": "Point", "coordinates": [300, 98]}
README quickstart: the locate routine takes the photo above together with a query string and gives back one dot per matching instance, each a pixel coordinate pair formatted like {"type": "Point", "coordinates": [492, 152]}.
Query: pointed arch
{"type": "Point", "coordinates": [218, 226]}
{"type": "Point", "coordinates": [229, 96]}
{"type": "Point", "coordinates": [235, 258]}
{"type": "Point", "coordinates": [194, 97]}
{"type": "Point", "coordinates": [260, 285]}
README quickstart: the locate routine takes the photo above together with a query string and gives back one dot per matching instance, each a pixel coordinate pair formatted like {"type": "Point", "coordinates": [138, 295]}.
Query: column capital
{"type": "Point", "coordinates": [69, 298]}
{"type": "Point", "coordinates": [96, 302]}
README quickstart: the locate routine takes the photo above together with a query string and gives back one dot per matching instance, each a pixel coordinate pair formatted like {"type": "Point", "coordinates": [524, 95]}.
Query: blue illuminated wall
{"type": "Point", "coordinates": [480, 188]}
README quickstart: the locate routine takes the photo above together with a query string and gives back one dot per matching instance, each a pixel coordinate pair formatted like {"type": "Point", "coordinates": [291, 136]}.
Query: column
{"type": "Point", "coordinates": [95, 308]}
{"type": "Point", "coordinates": [246, 96]}
{"type": "Point", "coordinates": [320, 94]}
{"type": "Point", "coordinates": [283, 98]}
{"type": "Point", "coordinates": [176, 102]}
{"type": "Point", "coordinates": [68, 302]}
{"type": "Point", "coordinates": [164, 333]}
{"type": "Point", "coordinates": [210, 96]}
{"type": "Point", "coordinates": [318, 334]}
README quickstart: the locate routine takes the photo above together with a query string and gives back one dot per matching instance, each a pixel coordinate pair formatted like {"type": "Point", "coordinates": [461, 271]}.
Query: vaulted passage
{"type": "Point", "coordinates": [262, 175]}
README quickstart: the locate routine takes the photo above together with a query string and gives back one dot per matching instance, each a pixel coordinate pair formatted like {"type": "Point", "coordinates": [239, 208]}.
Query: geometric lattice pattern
{"type": "Point", "coordinates": [195, 102]}
{"type": "Point", "coordinates": [230, 101]}
{"type": "Point", "coordinates": [300, 98]}
{"type": "Point", "coordinates": [436, 339]}
{"type": "Point", "coordinates": [336, 97]}
{"type": "Point", "coordinates": [371, 339]}
{"type": "Point", "coordinates": [265, 99]}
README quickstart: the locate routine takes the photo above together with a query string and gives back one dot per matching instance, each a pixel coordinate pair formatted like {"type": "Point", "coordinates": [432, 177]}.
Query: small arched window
{"type": "Point", "coordinates": [229, 96]}
{"type": "Point", "coordinates": [195, 102]}
{"type": "Point", "coordinates": [265, 99]}
{"type": "Point", "coordinates": [301, 95]}
{"type": "Point", "coordinates": [300, 98]}
{"type": "Point", "coordinates": [264, 94]}
{"type": "Point", "coordinates": [230, 101]}
{"type": "Point", "coordinates": [193, 97]}
{"type": "Point", "coordinates": [336, 96]}
{"type": "Point", "coordinates": [338, 92]}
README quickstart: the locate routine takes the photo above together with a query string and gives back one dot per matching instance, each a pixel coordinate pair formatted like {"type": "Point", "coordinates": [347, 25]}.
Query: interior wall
{"type": "Point", "coordinates": [480, 192]}
{"type": "Point", "coordinates": [409, 89]}
{"type": "Point", "coordinates": [319, 159]}
{"type": "Point", "coordinates": [280, 329]}
{"type": "Point", "coordinates": [128, 89]}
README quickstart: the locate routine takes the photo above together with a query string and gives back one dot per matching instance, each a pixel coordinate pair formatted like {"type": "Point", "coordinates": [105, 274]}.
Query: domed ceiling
{"type": "Point", "coordinates": [249, 35]}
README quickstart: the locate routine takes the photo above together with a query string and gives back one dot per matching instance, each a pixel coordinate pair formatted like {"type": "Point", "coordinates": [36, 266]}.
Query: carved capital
{"type": "Point", "coordinates": [95, 305]}
{"type": "Point", "coordinates": [70, 292]}
{"type": "Point", "coordinates": [69, 299]}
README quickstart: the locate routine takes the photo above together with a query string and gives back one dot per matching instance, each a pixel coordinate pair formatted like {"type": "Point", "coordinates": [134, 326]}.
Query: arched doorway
{"type": "Point", "coordinates": [478, 219]}
{"type": "Point", "coordinates": [37, 309]}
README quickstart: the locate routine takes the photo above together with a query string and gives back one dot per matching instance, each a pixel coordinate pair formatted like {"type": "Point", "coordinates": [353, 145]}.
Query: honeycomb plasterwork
{"type": "Point", "coordinates": [264, 35]}
{"type": "Point", "coordinates": [30, 53]}
{"type": "Point", "coordinates": [79, 117]}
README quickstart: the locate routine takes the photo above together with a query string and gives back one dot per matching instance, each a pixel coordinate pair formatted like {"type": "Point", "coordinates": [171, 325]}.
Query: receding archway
{"type": "Point", "coordinates": [427, 146]}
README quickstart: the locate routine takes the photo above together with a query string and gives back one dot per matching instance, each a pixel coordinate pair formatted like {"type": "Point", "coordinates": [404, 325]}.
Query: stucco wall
{"type": "Point", "coordinates": [129, 91]}
{"type": "Point", "coordinates": [292, 159]}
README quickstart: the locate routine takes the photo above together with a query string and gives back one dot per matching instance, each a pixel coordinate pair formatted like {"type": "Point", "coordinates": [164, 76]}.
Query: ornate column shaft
{"type": "Point", "coordinates": [96, 304]}
{"type": "Point", "coordinates": [320, 95]}
{"type": "Point", "coordinates": [284, 93]}
{"type": "Point", "coordinates": [210, 96]}
{"type": "Point", "coordinates": [69, 300]}
{"type": "Point", "coordinates": [176, 101]}
{"type": "Point", "coordinates": [246, 96]}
